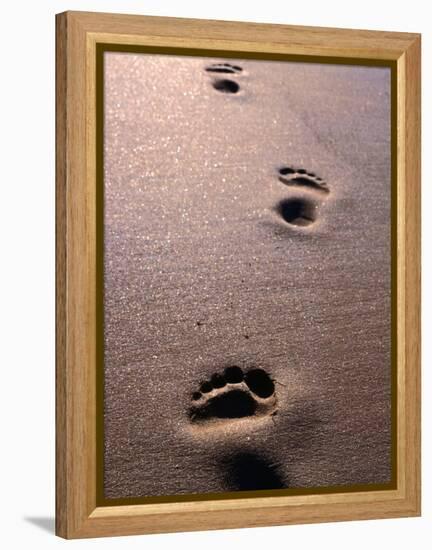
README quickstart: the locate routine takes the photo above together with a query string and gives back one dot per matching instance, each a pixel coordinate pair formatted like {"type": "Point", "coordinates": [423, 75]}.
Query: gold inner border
{"type": "Point", "coordinates": [101, 49]}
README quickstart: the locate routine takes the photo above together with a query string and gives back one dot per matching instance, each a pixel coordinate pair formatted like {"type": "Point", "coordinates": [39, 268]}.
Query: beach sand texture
{"type": "Point", "coordinates": [247, 224]}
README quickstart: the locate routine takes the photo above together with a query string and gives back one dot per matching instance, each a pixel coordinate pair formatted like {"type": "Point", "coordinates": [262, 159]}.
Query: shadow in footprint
{"type": "Point", "coordinates": [297, 211]}
{"type": "Point", "coordinates": [248, 471]}
{"type": "Point", "coordinates": [226, 86]}
{"type": "Point", "coordinates": [233, 404]}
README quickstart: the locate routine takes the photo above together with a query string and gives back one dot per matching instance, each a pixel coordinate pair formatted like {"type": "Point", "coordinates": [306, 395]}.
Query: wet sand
{"type": "Point", "coordinates": [221, 251]}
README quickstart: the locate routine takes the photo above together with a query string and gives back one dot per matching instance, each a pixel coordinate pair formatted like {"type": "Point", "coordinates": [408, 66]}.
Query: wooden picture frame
{"type": "Point", "coordinates": [78, 410]}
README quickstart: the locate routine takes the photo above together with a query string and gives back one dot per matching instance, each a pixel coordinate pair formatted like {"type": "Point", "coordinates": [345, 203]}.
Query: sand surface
{"type": "Point", "coordinates": [203, 272]}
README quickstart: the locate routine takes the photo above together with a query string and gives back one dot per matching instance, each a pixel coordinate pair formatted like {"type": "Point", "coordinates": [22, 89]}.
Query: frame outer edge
{"type": "Point", "coordinates": [74, 284]}
{"type": "Point", "coordinates": [61, 480]}
{"type": "Point", "coordinates": [73, 507]}
{"type": "Point", "coordinates": [412, 259]}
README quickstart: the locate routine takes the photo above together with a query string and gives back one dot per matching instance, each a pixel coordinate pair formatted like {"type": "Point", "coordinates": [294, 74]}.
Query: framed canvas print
{"type": "Point", "coordinates": [238, 274]}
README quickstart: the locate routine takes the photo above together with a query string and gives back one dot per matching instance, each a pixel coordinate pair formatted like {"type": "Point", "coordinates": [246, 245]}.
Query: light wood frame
{"type": "Point", "coordinates": [77, 513]}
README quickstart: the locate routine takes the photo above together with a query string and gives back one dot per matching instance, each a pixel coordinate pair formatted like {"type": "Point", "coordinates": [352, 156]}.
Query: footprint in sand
{"type": "Point", "coordinates": [300, 177]}
{"type": "Point", "coordinates": [224, 68]}
{"type": "Point", "coordinates": [301, 211]}
{"type": "Point", "coordinates": [225, 85]}
{"type": "Point", "coordinates": [234, 394]}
